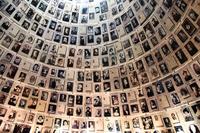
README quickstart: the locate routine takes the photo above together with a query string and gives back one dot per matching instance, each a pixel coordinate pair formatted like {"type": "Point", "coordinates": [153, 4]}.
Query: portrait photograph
{"type": "Point", "coordinates": [147, 122]}
{"type": "Point", "coordinates": [167, 122]}
{"type": "Point", "coordinates": [184, 92]}
{"type": "Point", "coordinates": [182, 36]}
{"type": "Point", "coordinates": [52, 108]}
{"type": "Point", "coordinates": [191, 48]}
{"type": "Point", "coordinates": [40, 120]}
{"type": "Point", "coordinates": [154, 72]}
{"type": "Point", "coordinates": [154, 104]}
{"type": "Point", "coordinates": [196, 109]}
{"type": "Point", "coordinates": [13, 100]}
{"type": "Point", "coordinates": [189, 27]}
{"type": "Point", "coordinates": [196, 68]}
{"type": "Point", "coordinates": [136, 122]}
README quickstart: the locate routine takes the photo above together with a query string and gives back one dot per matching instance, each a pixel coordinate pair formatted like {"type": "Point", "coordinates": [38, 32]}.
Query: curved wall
{"type": "Point", "coordinates": [99, 66]}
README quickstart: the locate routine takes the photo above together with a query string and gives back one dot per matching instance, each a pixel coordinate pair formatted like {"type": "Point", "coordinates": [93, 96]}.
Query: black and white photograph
{"type": "Point", "coordinates": [182, 36]}
{"type": "Point", "coordinates": [189, 27]}
{"type": "Point", "coordinates": [147, 122]}
{"type": "Point", "coordinates": [191, 48]}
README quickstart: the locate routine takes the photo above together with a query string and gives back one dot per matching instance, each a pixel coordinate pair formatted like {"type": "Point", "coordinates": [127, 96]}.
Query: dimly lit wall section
{"type": "Point", "coordinates": [99, 66]}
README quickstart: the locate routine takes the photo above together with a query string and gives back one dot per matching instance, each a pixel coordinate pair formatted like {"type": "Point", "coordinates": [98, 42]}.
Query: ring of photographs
{"type": "Point", "coordinates": [63, 28]}
{"type": "Point", "coordinates": [144, 77]}
{"type": "Point", "coordinates": [106, 55]}
{"type": "Point", "coordinates": [121, 51]}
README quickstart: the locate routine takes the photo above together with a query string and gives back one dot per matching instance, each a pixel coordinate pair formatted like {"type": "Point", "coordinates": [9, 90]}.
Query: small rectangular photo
{"type": "Point", "coordinates": [13, 100]}
{"type": "Point", "coordinates": [189, 27]}
{"type": "Point", "coordinates": [147, 122]}
{"type": "Point", "coordinates": [182, 36]}
{"type": "Point", "coordinates": [191, 48]}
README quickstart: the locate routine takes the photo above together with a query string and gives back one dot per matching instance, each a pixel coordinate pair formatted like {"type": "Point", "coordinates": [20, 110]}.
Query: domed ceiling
{"type": "Point", "coordinates": [97, 66]}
